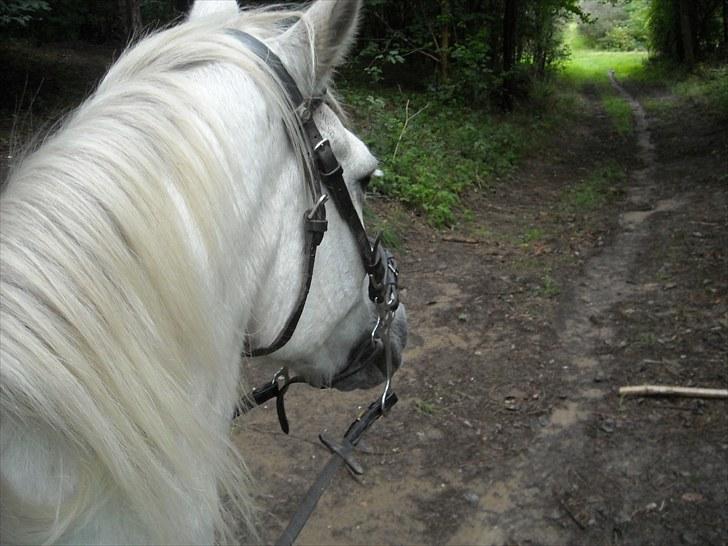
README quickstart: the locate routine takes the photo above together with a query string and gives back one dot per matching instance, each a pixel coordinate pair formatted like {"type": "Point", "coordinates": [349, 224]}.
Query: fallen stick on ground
{"type": "Point", "coordinates": [463, 240]}
{"type": "Point", "coordinates": [658, 390]}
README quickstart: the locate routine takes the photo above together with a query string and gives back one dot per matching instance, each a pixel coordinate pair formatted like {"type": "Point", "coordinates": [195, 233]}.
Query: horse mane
{"type": "Point", "coordinates": [108, 313]}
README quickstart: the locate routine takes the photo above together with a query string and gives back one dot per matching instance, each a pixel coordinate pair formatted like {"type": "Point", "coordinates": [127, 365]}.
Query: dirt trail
{"type": "Point", "coordinates": [509, 429]}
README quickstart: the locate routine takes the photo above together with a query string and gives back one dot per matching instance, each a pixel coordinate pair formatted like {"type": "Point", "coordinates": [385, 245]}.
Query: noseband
{"type": "Point", "coordinates": [325, 180]}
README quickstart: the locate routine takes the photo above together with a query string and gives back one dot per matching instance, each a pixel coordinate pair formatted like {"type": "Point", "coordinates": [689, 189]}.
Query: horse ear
{"type": "Point", "coordinates": [204, 8]}
{"type": "Point", "coordinates": [332, 26]}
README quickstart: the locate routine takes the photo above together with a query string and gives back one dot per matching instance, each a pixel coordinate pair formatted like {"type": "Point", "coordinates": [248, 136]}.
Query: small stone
{"type": "Point", "coordinates": [607, 426]}
{"type": "Point", "coordinates": [471, 498]}
{"type": "Point", "coordinates": [651, 506]}
{"type": "Point", "coordinates": [692, 497]}
{"type": "Point", "coordinates": [600, 377]}
{"type": "Point", "coordinates": [463, 317]}
{"type": "Point", "coordinates": [623, 517]}
{"type": "Point", "coordinates": [510, 403]}
{"type": "Point", "coordinates": [688, 537]}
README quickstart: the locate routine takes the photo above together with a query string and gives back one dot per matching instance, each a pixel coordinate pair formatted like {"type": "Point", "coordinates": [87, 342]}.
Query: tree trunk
{"type": "Point", "coordinates": [445, 40]}
{"type": "Point", "coordinates": [510, 17]}
{"type": "Point", "coordinates": [725, 28]}
{"type": "Point", "coordinates": [686, 33]}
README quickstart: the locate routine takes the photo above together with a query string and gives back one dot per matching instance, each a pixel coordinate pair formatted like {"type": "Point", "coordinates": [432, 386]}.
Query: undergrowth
{"type": "Point", "coordinates": [431, 151]}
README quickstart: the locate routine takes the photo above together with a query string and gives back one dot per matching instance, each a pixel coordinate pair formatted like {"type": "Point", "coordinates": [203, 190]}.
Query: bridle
{"type": "Point", "coordinates": [324, 172]}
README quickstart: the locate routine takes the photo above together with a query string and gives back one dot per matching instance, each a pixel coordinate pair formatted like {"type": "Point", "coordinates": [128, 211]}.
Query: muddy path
{"type": "Point", "coordinates": [510, 429]}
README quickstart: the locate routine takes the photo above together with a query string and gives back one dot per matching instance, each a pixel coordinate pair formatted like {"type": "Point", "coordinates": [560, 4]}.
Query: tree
{"type": "Point", "coordinates": [20, 12]}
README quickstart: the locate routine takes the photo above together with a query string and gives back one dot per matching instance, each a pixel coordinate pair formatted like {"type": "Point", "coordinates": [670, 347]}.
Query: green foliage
{"type": "Point", "coordinates": [20, 12]}
{"type": "Point", "coordinates": [444, 149]}
{"type": "Point", "coordinates": [707, 86]}
{"type": "Point", "coordinates": [615, 26]}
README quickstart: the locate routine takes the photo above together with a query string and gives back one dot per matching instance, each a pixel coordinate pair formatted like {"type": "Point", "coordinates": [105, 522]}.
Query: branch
{"type": "Point", "coordinates": [657, 390]}
{"type": "Point", "coordinates": [407, 119]}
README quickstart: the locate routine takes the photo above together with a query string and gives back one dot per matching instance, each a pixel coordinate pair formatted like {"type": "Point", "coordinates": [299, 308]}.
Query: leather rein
{"type": "Point", "coordinates": [326, 173]}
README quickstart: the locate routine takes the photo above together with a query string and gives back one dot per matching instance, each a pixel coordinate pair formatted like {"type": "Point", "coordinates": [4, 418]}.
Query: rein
{"type": "Point", "coordinates": [380, 266]}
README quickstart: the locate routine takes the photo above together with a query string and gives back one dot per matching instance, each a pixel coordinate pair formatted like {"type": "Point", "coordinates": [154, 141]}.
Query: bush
{"type": "Point", "coordinates": [445, 149]}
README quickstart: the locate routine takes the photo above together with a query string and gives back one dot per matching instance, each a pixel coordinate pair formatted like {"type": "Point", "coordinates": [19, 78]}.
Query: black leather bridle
{"type": "Point", "coordinates": [324, 172]}
{"type": "Point", "coordinates": [325, 180]}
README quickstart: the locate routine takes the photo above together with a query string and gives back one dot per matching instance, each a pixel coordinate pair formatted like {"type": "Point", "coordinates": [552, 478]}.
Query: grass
{"type": "Point", "coordinates": [620, 112]}
{"type": "Point", "coordinates": [602, 186]}
{"type": "Point", "coordinates": [591, 67]}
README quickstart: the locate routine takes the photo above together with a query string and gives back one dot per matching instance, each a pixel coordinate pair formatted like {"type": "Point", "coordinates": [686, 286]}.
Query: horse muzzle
{"type": "Point", "coordinates": [366, 364]}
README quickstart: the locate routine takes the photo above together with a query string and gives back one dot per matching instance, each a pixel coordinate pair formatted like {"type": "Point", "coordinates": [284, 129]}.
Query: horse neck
{"type": "Point", "coordinates": [141, 237]}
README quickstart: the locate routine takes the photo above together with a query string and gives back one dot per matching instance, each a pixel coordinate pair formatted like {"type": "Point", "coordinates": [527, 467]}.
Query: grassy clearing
{"type": "Point", "coordinates": [591, 67]}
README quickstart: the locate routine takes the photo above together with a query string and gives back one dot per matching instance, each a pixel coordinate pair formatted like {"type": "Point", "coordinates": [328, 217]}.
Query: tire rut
{"type": "Point", "coordinates": [533, 498]}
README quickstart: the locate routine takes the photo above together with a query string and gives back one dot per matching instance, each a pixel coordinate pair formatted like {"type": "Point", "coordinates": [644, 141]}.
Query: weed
{"type": "Point", "coordinates": [646, 339]}
{"type": "Point", "coordinates": [533, 234]}
{"type": "Point", "coordinates": [425, 407]}
{"type": "Point", "coordinates": [549, 286]}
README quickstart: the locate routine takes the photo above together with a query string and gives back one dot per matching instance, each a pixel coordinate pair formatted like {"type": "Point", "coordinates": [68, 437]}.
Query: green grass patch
{"type": "Point", "coordinates": [549, 286]}
{"type": "Point", "coordinates": [619, 111]}
{"type": "Point", "coordinates": [533, 234]}
{"type": "Point", "coordinates": [601, 187]}
{"type": "Point", "coordinates": [425, 407]}
{"type": "Point", "coordinates": [592, 66]}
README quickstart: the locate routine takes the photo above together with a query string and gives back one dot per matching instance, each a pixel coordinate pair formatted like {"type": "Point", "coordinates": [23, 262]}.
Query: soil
{"type": "Point", "coordinates": [524, 323]}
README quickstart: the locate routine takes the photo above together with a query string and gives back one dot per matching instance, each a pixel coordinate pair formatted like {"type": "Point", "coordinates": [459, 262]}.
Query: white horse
{"type": "Point", "coordinates": [141, 245]}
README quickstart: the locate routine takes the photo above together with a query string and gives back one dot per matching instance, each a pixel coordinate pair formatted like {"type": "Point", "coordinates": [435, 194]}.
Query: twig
{"type": "Point", "coordinates": [407, 119]}
{"type": "Point", "coordinates": [571, 514]}
{"type": "Point", "coordinates": [463, 240]}
{"type": "Point", "coordinates": [658, 390]}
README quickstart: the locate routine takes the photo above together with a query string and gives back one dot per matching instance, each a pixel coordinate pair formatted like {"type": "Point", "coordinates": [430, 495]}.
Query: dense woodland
{"type": "Point", "coordinates": [484, 51]}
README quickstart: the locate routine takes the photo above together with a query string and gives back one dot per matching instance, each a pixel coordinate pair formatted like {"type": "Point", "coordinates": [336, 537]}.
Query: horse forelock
{"type": "Point", "coordinates": [109, 231]}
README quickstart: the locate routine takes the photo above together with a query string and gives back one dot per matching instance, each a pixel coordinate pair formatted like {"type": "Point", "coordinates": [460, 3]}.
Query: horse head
{"type": "Point", "coordinates": [164, 229]}
{"type": "Point", "coordinates": [332, 342]}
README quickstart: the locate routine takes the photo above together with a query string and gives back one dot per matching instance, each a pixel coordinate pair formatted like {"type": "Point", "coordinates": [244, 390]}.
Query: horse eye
{"type": "Point", "coordinates": [365, 181]}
